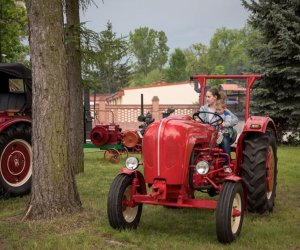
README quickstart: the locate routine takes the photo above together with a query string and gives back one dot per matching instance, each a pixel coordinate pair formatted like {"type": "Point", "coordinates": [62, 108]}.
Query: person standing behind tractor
{"type": "Point", "coordinates": [226, 128]}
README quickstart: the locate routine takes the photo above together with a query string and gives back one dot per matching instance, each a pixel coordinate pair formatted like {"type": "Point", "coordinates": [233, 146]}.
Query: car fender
{"type": "Point", "coordinates": [4, 125]}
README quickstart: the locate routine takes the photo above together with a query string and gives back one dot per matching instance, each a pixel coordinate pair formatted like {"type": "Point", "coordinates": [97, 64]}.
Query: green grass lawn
{"type": "Point", "coordinates": [160, 227]}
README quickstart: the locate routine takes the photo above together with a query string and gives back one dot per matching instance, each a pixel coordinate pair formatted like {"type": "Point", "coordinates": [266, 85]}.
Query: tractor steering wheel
{"type": "Point", "coordinates": [215, 122]}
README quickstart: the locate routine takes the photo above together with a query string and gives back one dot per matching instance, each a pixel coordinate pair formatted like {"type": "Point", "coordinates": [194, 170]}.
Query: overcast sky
{"type": "Point", "coordinates": [184, 21]}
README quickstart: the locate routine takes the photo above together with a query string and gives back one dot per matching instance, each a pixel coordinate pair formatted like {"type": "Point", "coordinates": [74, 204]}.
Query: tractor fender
{"type": "Point", "coordinates": [235, 178]}
{"type": "Point", "coordinates": [138, 175]}
{"type": "Point", "coordinates": [258, 124]}
{"type": "Point", "coordinates": [254, 124]}
{"type": "Point", "coordinates": [11, 122]}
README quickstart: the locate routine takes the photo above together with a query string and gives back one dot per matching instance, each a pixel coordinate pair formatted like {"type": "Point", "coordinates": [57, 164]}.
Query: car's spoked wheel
{"type": "Point", "coordinates": [121, 212]}
{"type": "Point", "coordinates": [230, 212]}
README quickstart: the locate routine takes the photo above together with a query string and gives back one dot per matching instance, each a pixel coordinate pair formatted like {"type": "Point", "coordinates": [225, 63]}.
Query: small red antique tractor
{"type": "Point", "coordinates": [15, 129]}
{"type": "Point", "coordinates": [108, 137]}
{"type": "Point", "coordinates": [181, 156]}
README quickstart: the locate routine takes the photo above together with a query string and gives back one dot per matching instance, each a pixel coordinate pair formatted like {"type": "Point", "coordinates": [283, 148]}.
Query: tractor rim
{"type": "Point", "coordinates": [270, 172]}
{"type": "Point", "coordinates": [129, 213]}
{"type": "Point", "coordinates": [16, 163]}
{"type": "Point", "coordinates": [236, 213]}
{"type": "Point", "coordinates": [113, 155]}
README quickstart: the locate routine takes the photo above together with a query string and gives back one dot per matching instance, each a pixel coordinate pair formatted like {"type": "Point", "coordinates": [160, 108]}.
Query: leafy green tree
{"type": "Point", "coordinates": [149, 48]}
{"type": "Point", "coordinates": [177, 70]}
{"type": "Point", "coordinates": [139, 79]}
{"type": "Point", "coordinates": [13, 30]}
{"type": "Point", "coordinates": [228, 47]}
{"type": "Point", "coordinates": [197, 59]}
{"type": "Point", "coordinates": [218, 70]}
{"type": "Point", "coordinates": [278, 59]}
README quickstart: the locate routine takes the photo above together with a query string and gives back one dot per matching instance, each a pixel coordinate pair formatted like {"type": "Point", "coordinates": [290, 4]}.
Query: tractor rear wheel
{"type": "Point", "coordinates": [16, 160]}
{"type": "Point", "coordinates": [120, 214]}
{"type": "Point", "coordinates": [259, 171]}
{"type": "Point", "coordinates": [230, 212]}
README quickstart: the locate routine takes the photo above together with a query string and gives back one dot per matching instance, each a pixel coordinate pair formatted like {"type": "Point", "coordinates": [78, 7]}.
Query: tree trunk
{"type": "Point", "coordinates": [75, 86]}
{"type": "Point", "coordinates": [54, 189]}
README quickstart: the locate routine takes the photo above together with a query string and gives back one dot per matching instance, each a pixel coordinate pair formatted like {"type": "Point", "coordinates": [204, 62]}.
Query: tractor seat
{"type": "Point", "coordinates": [233, 136]}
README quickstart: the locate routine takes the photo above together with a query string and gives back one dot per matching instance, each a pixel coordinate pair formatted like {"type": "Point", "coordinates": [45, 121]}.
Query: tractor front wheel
{"type": "Point", "coordinates": [112, 155]}
{"type": "Point", "coordinates": [230, 212]}
{"type": "Point", "coordinates": [121, 213]}
{"type": "Point", "coordinates": [259, 171]}
{"type": "Point", "coordinates": [16, 160]}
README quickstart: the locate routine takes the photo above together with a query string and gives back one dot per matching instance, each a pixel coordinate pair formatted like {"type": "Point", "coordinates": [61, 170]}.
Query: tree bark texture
{"type": "Point", "coordinates": [54, 190]}
{"type": "Point", "coordinates": [75, 86]}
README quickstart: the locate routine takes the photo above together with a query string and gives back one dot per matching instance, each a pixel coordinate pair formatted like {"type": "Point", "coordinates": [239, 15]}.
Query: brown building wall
{"type": "Point", "coordinates": [126, 115]}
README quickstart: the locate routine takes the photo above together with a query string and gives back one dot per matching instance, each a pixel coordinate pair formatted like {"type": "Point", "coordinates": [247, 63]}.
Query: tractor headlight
{"type": "Point", "coordinates": [202, 167]}
{"type": "Point", "coordinates": [131, 163]}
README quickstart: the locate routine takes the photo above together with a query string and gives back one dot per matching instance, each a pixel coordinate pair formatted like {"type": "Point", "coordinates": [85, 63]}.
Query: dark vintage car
{"type": "Point", "coordinates": [15, 129]}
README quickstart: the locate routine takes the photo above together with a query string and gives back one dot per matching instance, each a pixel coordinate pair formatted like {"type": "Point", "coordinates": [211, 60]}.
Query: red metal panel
{"type": "Point", "coordinates": [167, 148]}
{"type": "Point", "coordinates": [183, 203]}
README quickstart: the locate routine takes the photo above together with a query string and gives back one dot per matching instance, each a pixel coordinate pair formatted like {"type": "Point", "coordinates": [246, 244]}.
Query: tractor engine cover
{"type": "Point", "coordinates": [105, 134]}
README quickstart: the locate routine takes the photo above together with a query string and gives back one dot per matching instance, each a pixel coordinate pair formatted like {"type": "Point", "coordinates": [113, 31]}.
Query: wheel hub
{"type": "Point", "coordinates": [236, 213]}
{"type": "Point", "coordinates": [129, 213]}
{"type": "Point", "coordinates": [16, 167]}
{"type": "Point", "coordinates": [16, 163]}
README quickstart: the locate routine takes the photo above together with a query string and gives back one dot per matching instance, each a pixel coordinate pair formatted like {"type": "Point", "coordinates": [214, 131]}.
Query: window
{"type": "Point", "coordinates": [16, 86]}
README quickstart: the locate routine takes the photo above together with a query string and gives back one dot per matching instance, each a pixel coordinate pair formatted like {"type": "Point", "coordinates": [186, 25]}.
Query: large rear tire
{"type": "Point", "coordinates": [120, 214]}
{"type": "Point", "coordinates": [259, 171]}
{"type": "Point", "coordinates": [230, 212]}
{"type": "Point", "coordinates": [16, 160]}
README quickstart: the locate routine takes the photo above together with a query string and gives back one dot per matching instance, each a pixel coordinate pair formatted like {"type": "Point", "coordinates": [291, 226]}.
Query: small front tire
{"type": "Point", "coordinates": [230, 212]}
{"type": "Point", "coordinates": [120, 214]}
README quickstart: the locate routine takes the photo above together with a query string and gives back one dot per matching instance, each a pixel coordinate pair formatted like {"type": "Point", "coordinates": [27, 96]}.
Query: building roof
{"type": "Point", "coordinates": [232, 87]}
{"type": "Point", "coordinates": [157, 84]}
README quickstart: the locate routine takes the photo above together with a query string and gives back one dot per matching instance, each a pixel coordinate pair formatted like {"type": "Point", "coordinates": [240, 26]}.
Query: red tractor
{"type": "Point", "coordinates": [108, 137]}
{"type": "Point", "coordinates": [180, 156]}
{"type": "Point", "coordinates": [15, 129]}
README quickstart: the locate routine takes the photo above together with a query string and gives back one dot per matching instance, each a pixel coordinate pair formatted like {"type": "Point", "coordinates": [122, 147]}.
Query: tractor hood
{"type": "Point", "coordinates": [167, 147]}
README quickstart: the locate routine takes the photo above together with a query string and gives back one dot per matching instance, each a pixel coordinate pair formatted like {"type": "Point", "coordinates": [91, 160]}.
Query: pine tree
{"type": "Point", "coordinates": [111, 61]}
{"type": "Point", "coordinates": [278, 59]}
